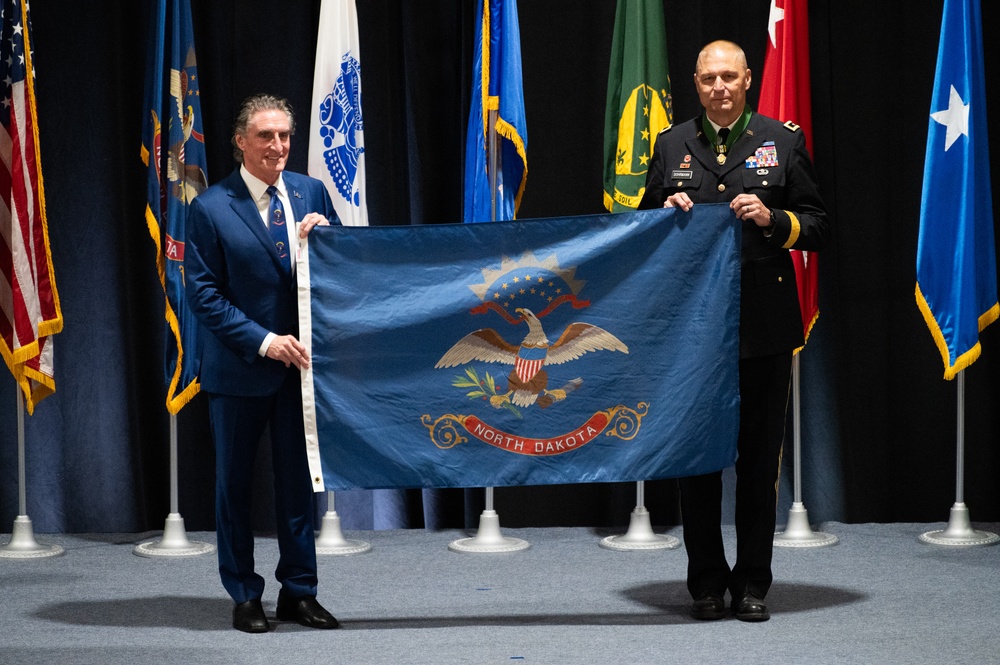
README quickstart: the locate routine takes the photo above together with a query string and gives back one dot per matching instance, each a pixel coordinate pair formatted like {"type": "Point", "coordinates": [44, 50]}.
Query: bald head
{"type": "Point", "coordinates": [722, 78]}
{"type": "Point", "coordinates": [721, 48]}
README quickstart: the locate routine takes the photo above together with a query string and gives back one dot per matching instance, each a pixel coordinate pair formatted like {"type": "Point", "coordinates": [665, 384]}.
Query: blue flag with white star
{"type": "Point", "coordinates": [956, 261]}
{"type": "Point", "coordinates": [577, 349]}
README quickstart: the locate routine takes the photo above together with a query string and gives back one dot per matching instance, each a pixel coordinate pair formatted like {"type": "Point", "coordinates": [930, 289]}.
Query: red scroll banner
{"type": "Point", "coordinates": [625, 422]}
{"type": "Point", "coordinates": [579, 437]}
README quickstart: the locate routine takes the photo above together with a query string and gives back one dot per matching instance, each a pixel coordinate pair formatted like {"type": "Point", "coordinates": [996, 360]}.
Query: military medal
{"type": "Point", "coordinates": [725, 137]}
{"type": "Point", "coordinates": [765, 156]}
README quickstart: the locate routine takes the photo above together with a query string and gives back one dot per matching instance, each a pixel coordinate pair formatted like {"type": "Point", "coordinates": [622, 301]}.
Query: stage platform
{"type": "Point", "coordinates": [878, 596]}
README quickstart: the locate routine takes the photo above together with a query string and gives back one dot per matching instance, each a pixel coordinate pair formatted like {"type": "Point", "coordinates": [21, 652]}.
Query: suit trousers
{"type": "Point", "coordinates": [764, 386]}
{"type": "Point", "coordinates": [237, 426]}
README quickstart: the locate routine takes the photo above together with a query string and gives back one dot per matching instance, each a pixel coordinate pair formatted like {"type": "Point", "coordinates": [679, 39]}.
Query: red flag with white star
{"type": "Point", "coordinates": [785, 95]}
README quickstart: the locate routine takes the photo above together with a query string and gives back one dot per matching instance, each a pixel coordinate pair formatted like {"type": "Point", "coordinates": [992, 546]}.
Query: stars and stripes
{"type": "Point", "coordinates": [29, 304]}
{"type": "Point", "coordinates": [529, 361]}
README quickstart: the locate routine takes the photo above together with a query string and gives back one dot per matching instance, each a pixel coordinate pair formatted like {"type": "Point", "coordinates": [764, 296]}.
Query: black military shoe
{"type": "Point", "coordinates": [708, 607]}
{"type": "Point", "coordinates": [751, 608]}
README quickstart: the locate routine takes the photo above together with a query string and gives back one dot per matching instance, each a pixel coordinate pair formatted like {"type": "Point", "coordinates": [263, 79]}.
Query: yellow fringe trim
{"type": "Point", "coordinates": [506, 130]}
{"type": "Point", "coordinates": [967, 358]}
{"type": "Point", "coordinates": [174, 402]}
{"type": "Point", "coordinates": [50, 326]}
{"type": "Point", "coordinates": [809, 329]}
{"type": "Point", "coordinates": [502, 127]}
{"type": "Point", "coordinates": [484, 84]}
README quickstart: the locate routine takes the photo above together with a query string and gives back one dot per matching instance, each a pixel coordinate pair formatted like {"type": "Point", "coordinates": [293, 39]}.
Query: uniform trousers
{"type": "Point", "coordinates": [764, 386]}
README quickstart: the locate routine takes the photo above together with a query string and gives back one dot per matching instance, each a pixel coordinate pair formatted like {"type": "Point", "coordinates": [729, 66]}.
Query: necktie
{"type": "Point", "coordinates": [720, 145]}
{"type": "Point", "coordinates": [276, 227]}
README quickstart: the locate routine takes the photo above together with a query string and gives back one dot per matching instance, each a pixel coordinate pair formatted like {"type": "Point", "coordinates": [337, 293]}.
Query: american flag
{"type": "Point", "coordinates": [29, 304]}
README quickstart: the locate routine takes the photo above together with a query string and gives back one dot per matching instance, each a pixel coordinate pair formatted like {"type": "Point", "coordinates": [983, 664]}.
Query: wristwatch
{"type": "Point", "coordinates": [769, 229]}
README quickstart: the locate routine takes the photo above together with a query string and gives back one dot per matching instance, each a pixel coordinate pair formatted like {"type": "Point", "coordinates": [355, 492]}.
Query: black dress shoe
{"type": "Point", "coordinates": [708, 607]}
{"type": "Point", "coordinates": [751, 608]}
{"type": "Point", "coordinates": [305, 610]}
{"type": "Point", "coordinates": [249, 617]}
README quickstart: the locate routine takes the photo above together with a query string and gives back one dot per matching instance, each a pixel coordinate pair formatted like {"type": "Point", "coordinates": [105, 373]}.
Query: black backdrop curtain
{"type": "Point", "coordinates": [878, 422]}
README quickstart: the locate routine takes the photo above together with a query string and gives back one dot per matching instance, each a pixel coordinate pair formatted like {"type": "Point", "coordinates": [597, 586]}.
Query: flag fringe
{"type": "Point", "coordinates": [16, 359]}
{"type": "Point", "coordinates": [509, 132]}
{"type": "Point", "coordinates": [46, 385]}
{"type": "Point", "coordinates": [175, 402]}
{"type": "Point", "coordinates": [48, 326]}
{"type": "Point", "coordinates": [967, 358]}
{"type": "Point", "coordinates": [502, 127]}
{"type": "Point", "coordinates": [809, 329]}
{"type": "Point", "coordinates": [484, 84]}
{"type": "Point", "coordinates": [609, 202]}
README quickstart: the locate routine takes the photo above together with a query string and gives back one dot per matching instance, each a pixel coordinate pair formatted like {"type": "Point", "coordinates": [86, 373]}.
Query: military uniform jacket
{"type": "Point", "coordinates": [770, 160]}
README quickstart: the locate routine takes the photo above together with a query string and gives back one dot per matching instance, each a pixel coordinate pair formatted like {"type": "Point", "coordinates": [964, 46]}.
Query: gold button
{"type": "Point", "coordinates": [722, 187]}
{"type": "Point", "coordinates": [316, 480]}
{"type": "Point", "coordinates": [680, 184]}
{"type": "Point", "coordinates": [780, 278]}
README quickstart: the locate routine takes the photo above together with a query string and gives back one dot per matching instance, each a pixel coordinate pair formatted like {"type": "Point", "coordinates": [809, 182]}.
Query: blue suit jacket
{"type": "Point", "coordinates": [235, 285]}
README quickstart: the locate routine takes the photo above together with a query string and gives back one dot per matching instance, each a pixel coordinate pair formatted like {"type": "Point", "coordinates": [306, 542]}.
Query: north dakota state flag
{"type": "Point", "coordinates": [578, 349]}
{"type": "Point", "coordinates": [638, 105]}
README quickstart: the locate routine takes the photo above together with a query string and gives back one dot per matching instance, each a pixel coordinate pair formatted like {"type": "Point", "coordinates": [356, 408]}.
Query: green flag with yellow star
{"type": "Point", "coordinates": [638, 100]}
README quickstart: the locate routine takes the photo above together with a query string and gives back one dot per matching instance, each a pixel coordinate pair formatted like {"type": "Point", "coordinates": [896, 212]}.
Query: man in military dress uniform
{"type": "Point", "coordinates": [761, 168]}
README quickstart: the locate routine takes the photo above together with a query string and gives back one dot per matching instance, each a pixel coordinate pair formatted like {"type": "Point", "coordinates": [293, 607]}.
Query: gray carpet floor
{"type": "Point", "coordinates": [878, 596]}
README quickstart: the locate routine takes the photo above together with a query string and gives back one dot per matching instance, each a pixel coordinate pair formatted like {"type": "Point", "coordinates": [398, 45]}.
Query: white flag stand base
{"type": "Point", "coordinates": [23, 545]}
{"type": "Point", "coordinates": [174, 543]}
{"type": "Point", "coordinates": [331, 539]}
{"type": "Point", "coordinates": [488, 538]}
{"type": "Point", "coordinates": [959, 532]}
{"type": "Point", "coordinates": [640, 535]}
{"type": "Point", "coordinates": [798, 533]}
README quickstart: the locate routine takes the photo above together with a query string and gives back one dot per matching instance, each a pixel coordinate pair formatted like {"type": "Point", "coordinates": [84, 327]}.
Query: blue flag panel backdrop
{"type": "Point", "coordinates": [575, 349]}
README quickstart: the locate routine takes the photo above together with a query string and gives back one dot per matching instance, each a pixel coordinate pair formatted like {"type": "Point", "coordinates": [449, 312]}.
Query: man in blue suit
{"type": "Point", "coordinates": [240, 285]}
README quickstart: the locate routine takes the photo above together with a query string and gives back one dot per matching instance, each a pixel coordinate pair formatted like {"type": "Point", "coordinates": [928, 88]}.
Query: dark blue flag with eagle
{"type": "Point", "coordinates": [173, 152]}
{"type": "Point", "coordinates": [576, 349]}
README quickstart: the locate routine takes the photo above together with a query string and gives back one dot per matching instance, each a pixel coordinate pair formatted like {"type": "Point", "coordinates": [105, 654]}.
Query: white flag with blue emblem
{"type": "Point", "coordinates": [336, 129]}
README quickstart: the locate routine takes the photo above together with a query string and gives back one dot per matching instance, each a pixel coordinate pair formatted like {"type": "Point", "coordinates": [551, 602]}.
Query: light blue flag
{"type": "Point", "coordinates": [496, 84]}
{"type": "Point", "coordinates": [956, 262]}
{"type": "Point", "coordinates": [173, 151]}
{"type": "Point", "coordinates": [577, 349]}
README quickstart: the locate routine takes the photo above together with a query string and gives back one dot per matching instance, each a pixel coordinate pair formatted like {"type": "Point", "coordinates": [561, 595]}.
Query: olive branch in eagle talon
{"type": "Point", "coordinates": [482, 388]}
{"type": "Point", "coordinates": [527, 383]}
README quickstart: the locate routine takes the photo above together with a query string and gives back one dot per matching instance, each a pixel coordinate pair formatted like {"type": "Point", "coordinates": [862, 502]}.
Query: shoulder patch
{"type": "Point", "coordinates": [665, 129]}
{"type": "Point", "coordinates": [791, 126]}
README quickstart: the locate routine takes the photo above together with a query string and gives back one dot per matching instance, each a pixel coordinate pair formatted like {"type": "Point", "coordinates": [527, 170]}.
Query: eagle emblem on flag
{"type": "Point", "coordinates": [527, 383]}
{"type": "Point", "coordinates": [543, 285]}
